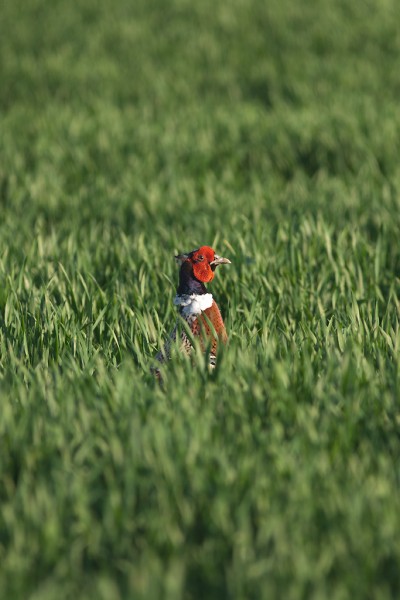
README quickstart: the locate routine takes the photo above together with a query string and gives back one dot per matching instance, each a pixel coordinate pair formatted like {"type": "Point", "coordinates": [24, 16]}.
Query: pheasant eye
{"type": "Point", "coordinates": [200, 258]}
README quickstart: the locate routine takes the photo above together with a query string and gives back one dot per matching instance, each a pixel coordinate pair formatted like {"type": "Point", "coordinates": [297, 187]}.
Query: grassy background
{"type": "Point", "coordinates": [133, 130]}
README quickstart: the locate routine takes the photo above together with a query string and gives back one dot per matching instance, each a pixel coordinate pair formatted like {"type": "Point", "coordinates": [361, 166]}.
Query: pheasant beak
{"type": "Point", "coordinates": [219, 260]}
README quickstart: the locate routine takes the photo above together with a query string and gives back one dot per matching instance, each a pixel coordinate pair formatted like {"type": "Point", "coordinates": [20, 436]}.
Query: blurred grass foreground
{"type": "Point", "coordinates": [130, 131]}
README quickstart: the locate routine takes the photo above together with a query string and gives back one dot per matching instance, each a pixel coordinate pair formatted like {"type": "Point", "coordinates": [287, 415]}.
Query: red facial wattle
{"type": "Point", "coordinates": [203, 272]}
{"type": "Point", "coordinates": [201, 264]}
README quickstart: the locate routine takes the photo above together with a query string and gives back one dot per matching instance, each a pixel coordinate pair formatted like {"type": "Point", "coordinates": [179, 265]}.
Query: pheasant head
{"type": "Point", "coordinates": [198, 268]}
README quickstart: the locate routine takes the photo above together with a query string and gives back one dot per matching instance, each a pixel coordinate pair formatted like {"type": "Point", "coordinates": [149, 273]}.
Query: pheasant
{"type": "Point", "coordinates": [196, 305]}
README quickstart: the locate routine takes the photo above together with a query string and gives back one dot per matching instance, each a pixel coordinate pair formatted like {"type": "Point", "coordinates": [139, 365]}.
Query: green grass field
{"type": "Point", "coordinates": [133, 130]}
